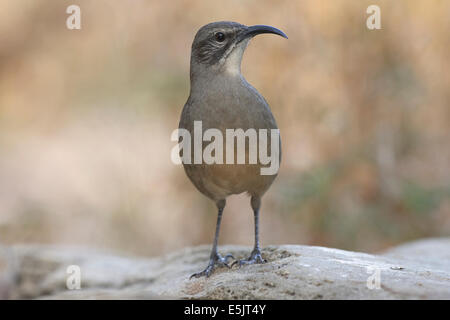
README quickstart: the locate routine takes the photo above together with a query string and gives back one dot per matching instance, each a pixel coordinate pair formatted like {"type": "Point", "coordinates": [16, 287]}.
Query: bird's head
{"type": "Point", "coordinates": [220, 45]}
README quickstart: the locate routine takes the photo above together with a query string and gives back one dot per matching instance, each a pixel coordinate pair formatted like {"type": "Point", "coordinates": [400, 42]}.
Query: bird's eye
{"type": "Point", "coordinates": [219, 36]}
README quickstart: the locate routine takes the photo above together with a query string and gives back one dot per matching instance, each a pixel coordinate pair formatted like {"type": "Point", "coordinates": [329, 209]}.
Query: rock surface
{"type": "Point", "coordinates": [418, 270]}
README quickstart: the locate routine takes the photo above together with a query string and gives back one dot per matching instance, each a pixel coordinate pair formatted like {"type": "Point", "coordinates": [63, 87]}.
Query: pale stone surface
{"type": "Point", "coordinates": [418, 270]}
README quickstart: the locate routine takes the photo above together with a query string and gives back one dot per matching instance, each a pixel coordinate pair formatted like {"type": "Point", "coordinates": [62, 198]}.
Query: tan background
{"type": "Point", "coordinates": [86, 118]}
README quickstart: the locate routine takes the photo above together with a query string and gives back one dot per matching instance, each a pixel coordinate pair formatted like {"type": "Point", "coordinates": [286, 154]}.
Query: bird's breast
{"type": "Point", "coordinates": [230, 103]}
{"type": "Point", "coordinates": [223, 106]}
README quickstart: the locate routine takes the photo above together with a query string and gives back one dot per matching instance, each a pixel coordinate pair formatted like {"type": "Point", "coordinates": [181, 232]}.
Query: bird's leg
{"type": "Point", "coordinates": [255, 256]}
{"type": "Point", "coordinates": [215, 259]}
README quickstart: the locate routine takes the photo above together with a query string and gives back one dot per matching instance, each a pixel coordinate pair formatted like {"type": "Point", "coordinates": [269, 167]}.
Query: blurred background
{"type": "Point", "coordinates": [86, 117]}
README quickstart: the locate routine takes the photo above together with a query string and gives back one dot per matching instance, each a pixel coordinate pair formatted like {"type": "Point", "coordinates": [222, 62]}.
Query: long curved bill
{"type": "Point", "coordinates": [260, 29]}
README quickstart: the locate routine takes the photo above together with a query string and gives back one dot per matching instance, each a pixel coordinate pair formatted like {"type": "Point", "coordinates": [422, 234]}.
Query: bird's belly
{"type": "Point", "coordinates": [218, 181]}
{"type": "Point", "coordinates": [246, 110]}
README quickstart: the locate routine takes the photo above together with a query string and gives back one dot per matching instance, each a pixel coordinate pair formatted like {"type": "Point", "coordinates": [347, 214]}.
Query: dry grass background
{"type": "Point", "coordinates": [86, 117]}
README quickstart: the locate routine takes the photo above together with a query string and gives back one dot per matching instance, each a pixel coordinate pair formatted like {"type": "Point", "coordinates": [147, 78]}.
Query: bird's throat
{"type": "Point", "coordinates": [231, 62]}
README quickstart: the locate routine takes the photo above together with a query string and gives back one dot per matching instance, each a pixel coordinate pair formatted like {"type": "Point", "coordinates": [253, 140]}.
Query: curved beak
{"type": "Point", "coordinates": [259, 29]}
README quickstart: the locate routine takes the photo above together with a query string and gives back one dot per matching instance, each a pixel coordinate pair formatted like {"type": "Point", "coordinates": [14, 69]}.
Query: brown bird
{"type": "Point", "coordinates": [222, 99]}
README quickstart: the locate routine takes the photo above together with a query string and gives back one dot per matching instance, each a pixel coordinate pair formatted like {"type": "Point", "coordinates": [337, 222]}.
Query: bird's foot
{"type": "Point", "coordinates": [216, 261]}
{"type": "Point", "coordinates": [255, 258]}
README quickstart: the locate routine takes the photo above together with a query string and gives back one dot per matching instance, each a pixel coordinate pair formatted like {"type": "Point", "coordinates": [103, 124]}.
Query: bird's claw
{"type": "Point", "coordinates": [255, 258]}
{"type": "Point", "coordinates": [217, 260]}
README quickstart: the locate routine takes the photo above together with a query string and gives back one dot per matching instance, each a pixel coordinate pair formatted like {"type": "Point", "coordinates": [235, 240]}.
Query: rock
{"type": "Point", "coordinates": [419, 270]}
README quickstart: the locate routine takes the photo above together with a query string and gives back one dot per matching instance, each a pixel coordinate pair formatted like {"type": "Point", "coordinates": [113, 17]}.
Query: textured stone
{"type": "Point", "coordinates": [418, 270]}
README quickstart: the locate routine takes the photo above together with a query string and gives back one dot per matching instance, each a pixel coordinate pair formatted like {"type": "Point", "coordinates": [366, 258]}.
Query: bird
{"type": "Point", "coordinates": [221, 98]}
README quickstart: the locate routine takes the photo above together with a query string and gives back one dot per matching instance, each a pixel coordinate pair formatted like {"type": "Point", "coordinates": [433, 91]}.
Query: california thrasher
{"type": "Point", "coordinates": [221, 98]}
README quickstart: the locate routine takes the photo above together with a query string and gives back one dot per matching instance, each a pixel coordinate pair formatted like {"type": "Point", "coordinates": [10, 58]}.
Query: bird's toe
{"type": "Point", "coordinates": [216, 261]}
{"type": "Point", "coordinates": [255, 258]}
